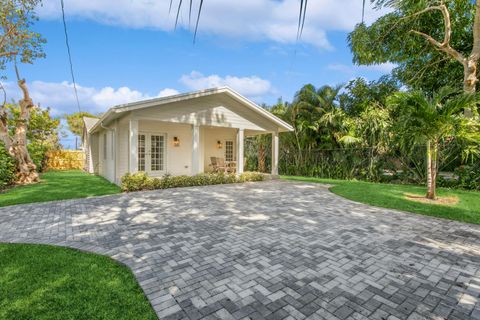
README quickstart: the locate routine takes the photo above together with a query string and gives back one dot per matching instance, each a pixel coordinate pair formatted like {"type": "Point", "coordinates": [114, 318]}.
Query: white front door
{"type": "Point", "coordinates": [151, 153]}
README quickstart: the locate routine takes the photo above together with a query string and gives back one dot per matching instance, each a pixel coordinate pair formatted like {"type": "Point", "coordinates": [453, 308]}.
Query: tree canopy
{"type": "Point", "coordinates": [17, 39]}
{"type": "Point", "coordinates": [75, 121]}
{"type": "Point", "coordinates": [399, 37]}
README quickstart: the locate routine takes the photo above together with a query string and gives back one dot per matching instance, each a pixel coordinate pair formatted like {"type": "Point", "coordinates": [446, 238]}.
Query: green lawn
{"type": "Point", "coordinates": [45, 282]}
{"type": "Point", "coordinates": [392, 196]}
{"type": "Point", "coordinates": [59, 185]}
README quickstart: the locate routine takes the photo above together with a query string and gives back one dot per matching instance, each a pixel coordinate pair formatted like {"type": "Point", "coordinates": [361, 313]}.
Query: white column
{"type": "Point", "coordinates": [195, 149]}
{"type": "Point", "coordinates": [133, 157]}
{"type": "Point", "coordinates": [240, 156]}
{"type": "Point", "coordinates": [275, 154]}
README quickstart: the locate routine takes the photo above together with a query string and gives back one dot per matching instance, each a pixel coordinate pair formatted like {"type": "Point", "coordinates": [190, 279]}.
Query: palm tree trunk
{"type": "Point", "coordinates": [431, 169]}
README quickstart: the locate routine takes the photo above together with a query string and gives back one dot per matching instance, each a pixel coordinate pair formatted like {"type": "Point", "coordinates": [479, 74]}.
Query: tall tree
{"type": "Point", "coordinates": [75, 121]}
{"type": "Point", "coordinates": [434, 43]}
{"type": "Point", "coordinates": [19, 42]}
{"type": "Point", "coordinates": [430, 120]}
{"type": "Point", "coordinates": [360, 94]}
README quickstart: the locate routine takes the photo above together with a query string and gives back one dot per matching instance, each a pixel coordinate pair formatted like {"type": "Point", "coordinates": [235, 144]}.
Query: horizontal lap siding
{"type": "Point", "coordinates": [231, 116]}
{"type": "Point", "coordinates": [178, 159]}
{"type": "Point", "coordinates": [211, 136]}
{"type": "Point", "coordinates": [122, 146]}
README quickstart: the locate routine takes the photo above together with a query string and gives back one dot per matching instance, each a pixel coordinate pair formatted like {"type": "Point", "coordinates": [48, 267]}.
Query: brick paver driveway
{"type": "Point", "coordinates": [269, 250]}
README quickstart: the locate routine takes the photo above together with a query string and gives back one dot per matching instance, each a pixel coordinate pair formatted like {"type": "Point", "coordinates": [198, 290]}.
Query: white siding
{"type": "Point", "coordinates": [179, 159]}
{"type": "Point", "coordinates": [211, 137]}
{"type": "Point", "coordinates": [122, 144]}
{"type": "Point", "coordinates": [206, 112]}
{"type": "Point", "coordinates": [106, 153]}
{"type": "Point", "coordinates": [94, 147]}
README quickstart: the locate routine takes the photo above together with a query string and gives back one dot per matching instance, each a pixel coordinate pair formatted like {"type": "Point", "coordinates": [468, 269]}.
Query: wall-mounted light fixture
{"type": "Point", "coordinates": [176, 142]}
{"type": "Point", "coordinates": [219, 144]}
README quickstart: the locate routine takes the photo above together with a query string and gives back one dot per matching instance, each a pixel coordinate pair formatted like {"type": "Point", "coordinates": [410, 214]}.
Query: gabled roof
{"type": "Point", "coordinates": [115, 112]}
{"type": "Point", "coordinates": [89, 122]}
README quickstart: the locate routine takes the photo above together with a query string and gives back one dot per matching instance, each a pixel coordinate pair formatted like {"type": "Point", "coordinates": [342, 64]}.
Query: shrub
{"type": "Point", "coordinates": [469, 176]}
{"type": "Point", "coordinates": [250, 176]}
{"type": "Point", "coordinates": [7, 168]}
{"type": "Point", "coordinates": [37, 153]}
{"type": "Point", "coordinates": [136, 182]}
{"type": "Point", "coordinates": [141, 181]}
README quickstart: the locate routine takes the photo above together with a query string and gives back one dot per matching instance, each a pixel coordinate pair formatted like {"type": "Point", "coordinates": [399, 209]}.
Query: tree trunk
{"type": "Point", "coordinates": [470, 77]}
{"type": "Point", "coordinates": [26, 169]}
{"type": "Point", "coordinates": [469, 82]}
{"type": "Point", "coordinates": [432, 155]}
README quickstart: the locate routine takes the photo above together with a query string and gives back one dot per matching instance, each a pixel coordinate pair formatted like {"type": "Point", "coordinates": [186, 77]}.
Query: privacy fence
{"type": "Point", "coordinates": [65, 160]}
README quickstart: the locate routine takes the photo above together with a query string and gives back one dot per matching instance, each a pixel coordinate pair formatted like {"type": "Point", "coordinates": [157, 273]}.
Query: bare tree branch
{"type": "Point", "coordinates": [475, 55]}
{"type": "Point", "coordinates": [445, 48]}
{"type": "Point", "coordinates": [4, 96]}
{"type": "Point", "coordinates": [445, 45]}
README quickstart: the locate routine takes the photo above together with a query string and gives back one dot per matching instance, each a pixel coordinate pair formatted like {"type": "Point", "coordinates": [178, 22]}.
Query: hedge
{"type": "Point", "coordinates": [141, 181]}
{"type": "Point", "coordinates": [7, 168]}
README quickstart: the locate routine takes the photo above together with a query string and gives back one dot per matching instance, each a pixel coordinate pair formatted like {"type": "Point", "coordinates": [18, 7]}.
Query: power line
{"type": "Point", "coordinates": [69, 55]}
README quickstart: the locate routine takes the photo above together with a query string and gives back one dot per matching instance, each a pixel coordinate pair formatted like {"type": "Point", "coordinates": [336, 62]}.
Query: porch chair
{"type": "Point", "coordinates": [218, 164]}
{"type": "Point", "coordinates": [222, 165]}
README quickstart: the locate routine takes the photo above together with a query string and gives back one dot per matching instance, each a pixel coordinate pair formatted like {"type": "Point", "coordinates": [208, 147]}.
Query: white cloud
{"type": "Point", "coordinates": [167, 92]}
{"type": "Point", "coordinates": [60, 96]}
{"type": "Point", "coordinates": [247, 19]}
{"type": "Point", "coordinates": [253, 87]}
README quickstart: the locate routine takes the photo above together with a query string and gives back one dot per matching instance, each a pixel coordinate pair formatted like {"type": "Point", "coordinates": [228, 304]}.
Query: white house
{"type": "Point", "coordinates": [177, 135]}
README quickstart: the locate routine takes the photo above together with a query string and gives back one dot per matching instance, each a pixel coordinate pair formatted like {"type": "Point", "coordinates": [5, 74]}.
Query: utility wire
{"type": "Point", "coordinates": [70, 55]}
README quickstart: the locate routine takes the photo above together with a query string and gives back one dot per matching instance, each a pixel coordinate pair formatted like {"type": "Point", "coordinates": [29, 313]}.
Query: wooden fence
{"type": "Point", "coordinates": [65, 160]}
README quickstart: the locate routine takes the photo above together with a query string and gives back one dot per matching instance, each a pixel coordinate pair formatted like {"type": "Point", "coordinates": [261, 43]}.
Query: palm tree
{"type": "Point", "coordinates": [301, 15]}
{"type": "Point", "coordinates": [430, 120]}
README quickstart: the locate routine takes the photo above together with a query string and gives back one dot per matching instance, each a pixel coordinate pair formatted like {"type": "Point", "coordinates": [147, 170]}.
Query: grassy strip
{"type": "Point", "coordinates": [393, 196]}
{"type": "Point", "coordinates": [45, 282]}
{"type": "Point", "coordinates": [59, 185]}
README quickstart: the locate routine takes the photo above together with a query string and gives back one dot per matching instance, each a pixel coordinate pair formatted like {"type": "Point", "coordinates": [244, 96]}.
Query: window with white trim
{"type": "Point", "coordinates": [229, 150]}
{"type": "Point", "coordinates": [157, 152]}
{"type": "Point", "coordinates": [141, 152]}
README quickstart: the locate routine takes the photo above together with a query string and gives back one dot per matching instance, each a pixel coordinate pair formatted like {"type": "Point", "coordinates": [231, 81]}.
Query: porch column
{"type": "Point", "coordinates": [275, 154]}
{"type": "Point", "coordinates": [240, 154]}
{"type": "Point", "coordinates": [133, 157]}
{"type": "Point", "coordinates": [195, 149]}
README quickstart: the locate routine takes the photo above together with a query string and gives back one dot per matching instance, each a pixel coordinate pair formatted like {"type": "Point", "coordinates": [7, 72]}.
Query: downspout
{"type": "Point", "coordinates": [114, 148]}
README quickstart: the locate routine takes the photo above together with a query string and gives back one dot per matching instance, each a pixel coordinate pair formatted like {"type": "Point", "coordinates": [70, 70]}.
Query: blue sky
{"type": "Point", "coordinates": [124, 52]}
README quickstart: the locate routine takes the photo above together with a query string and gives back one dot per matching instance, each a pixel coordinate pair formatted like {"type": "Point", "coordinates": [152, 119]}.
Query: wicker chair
{"type": "Point", "coordinates": [218, 164]}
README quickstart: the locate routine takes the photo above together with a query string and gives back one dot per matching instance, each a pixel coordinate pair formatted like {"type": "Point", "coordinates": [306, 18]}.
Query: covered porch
{"type": "Point", "coordinates": [159, 148]}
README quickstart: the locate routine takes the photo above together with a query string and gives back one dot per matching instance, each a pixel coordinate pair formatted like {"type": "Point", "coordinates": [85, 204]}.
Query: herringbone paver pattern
{"type": "Point", "coordinates": [270, 250]}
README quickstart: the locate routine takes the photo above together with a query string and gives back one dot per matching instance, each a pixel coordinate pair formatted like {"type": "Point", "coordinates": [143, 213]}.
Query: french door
{"type": "Point", "coordinates": [151, 153]}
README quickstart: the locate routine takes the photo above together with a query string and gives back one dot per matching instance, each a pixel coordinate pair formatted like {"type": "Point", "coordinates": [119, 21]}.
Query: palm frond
{"type": "Point", "coordinates": [198, 20]}
{"type": "Point", "coordinates": [301, 16]}
{"type": "Point", "coordinates": [178, 12]}
{"type": "Point", "coordinates": [363, 12]}
{"type": "Point", "coordinates": [190, 14]}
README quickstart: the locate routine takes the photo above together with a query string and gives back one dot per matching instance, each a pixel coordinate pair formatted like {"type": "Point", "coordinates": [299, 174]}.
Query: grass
{"type": "Point", "coordinates": [393, 196]}
{"type": "Point", "coordinates": [45, 282]}
{"type": "Point", "coordinates": [59, 185]}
